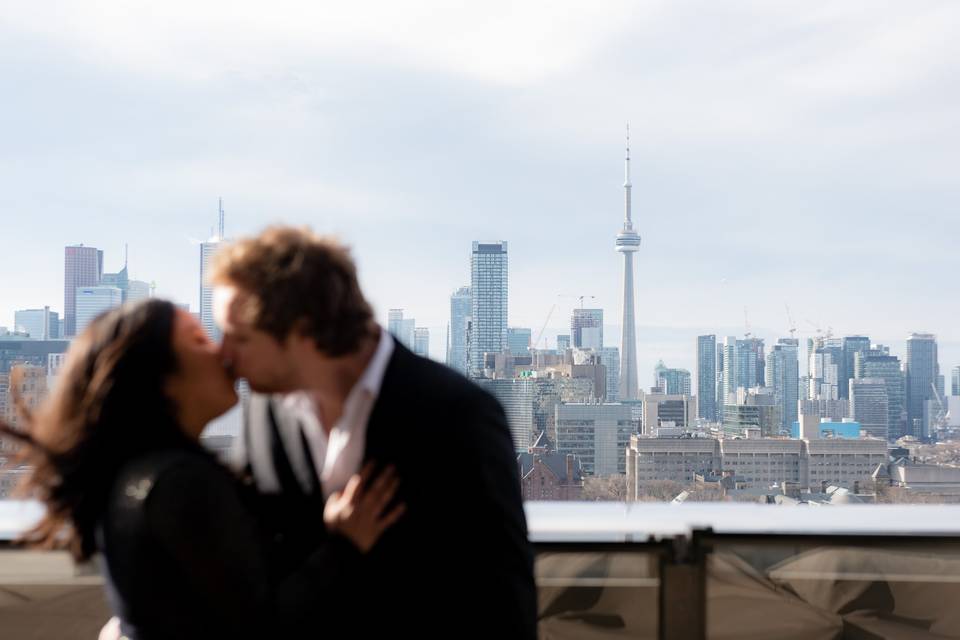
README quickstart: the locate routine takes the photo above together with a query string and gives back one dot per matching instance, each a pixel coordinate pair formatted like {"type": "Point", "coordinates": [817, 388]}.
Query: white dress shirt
{"type": "Point", "coordinates": [340, 455]}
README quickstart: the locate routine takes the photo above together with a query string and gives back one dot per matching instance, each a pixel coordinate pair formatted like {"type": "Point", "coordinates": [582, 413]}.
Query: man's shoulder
{"type": "Point", "coordinates": [417, 374]}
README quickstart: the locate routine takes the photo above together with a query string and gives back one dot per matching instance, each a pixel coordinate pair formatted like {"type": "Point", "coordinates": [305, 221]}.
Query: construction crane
{"type": "Point", "coordinates": [582, 297]}
{"type": "Point", "coordinates": [553, 309]}
{"type": "Point", "coordinates": [940, 419]}
{"type": "Point", "coordinates": [536, 343]}
{"type": "Point", "coordinates": [746, 325]}
{"type": "Point", "coordinates": [790, 320]}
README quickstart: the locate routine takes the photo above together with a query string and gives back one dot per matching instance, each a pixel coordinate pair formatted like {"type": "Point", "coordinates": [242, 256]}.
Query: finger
{"type": "Point", "coordinates": [386, 477]}
{"type": "Point", "coordinates": [391, 518]}
{"type": "Point", "coordinates": [368, 470]}
{"type": "Point", "coordinates": [379, 501]}
{"type": "Point", "coordinates": [351, 493]}
{"type": "Point", "coordinates": [367, 473]}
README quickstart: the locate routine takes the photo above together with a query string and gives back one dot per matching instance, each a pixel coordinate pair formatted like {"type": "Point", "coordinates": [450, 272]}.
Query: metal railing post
{"type": "Point", "coordinates": [683, 590]}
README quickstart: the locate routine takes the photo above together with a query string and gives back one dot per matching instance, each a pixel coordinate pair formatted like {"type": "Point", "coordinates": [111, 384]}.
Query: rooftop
{"type": "Point", "coordinates": [648, 570]}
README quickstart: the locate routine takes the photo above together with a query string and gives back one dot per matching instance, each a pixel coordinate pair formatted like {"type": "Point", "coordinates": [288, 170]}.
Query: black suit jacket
{"type": "Point", "coordinates": [458, 563]}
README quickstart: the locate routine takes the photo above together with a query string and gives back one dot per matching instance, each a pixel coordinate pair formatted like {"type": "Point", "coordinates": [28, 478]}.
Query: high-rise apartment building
{"type": "Point", "coordinates": [518, 341]}
{"type": "Point", "coordinates": [460, 310]}
{"type": "Point", "coordinates": [707, 377]}
{"type": "Point", "coordinates": [586, 329]}
{"type": "Point", "coordinates": [922, 370]}
{"type": "Point", "coordinates": [488, 290]}
{"type": "Point", "coordinates": [869, 406]}
{"type": "Point", "coordinates": [887, 368]}
{"type": "Point", "coordinates": [421, 341]}
{"type": "Point", "coordinates": [851, 346]}
{"type": "Point", "coordinates": [207, 251]}
{"type": "Point", "coordinates": [516, 395]}
{"type": "Point", "coordinates": [673, 381]}
{"type": "Point", "coordinates": [610, 358]}
{"type": "Point", "coordinates": [783, 377]}
{"type": "Point", "coordinates": [403, 329]}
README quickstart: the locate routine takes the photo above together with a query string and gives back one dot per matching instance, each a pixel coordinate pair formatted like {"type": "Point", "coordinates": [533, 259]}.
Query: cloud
{"type": "Point", "coordinates": [499, 41]}
{"type": "Point", "coordinates": [807, 151]}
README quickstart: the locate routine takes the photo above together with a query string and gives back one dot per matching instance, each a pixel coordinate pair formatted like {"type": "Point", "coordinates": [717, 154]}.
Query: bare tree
{"type": "Point", "coordinates": [605, 488]}
{"type": "Point", "coordinates": [659, 490]}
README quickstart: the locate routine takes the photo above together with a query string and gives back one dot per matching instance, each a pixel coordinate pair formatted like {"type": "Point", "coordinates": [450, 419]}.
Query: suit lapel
{"type": "Point", "coordinates": [379, 445]}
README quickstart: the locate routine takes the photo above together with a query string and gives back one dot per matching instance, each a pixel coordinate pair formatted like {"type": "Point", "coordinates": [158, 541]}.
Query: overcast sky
{"type": "Point", "coordinates": [801, 153]}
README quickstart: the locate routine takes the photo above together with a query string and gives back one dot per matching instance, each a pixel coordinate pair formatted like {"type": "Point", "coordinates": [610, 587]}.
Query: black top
{"type": "Point", "coordinates": [185, 559]}
{"type": "Point", "coordinates": [458, 564]}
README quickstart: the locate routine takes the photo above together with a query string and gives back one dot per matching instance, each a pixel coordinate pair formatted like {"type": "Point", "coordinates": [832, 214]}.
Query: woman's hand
{"type": "Point", "coordinates": [357, 512]}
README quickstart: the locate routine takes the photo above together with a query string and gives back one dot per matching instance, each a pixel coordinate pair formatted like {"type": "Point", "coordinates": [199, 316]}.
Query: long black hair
{"type": "Point", "coordinates": [109, 405]}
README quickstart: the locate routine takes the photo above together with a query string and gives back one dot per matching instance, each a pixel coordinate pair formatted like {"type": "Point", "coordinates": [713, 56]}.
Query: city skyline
{"type": "Point", "coordinates": [671, 344]}
{"type": "Point", "coordinates": [668, 343]}
{"type": "Point", "coordinates": [772, 157]}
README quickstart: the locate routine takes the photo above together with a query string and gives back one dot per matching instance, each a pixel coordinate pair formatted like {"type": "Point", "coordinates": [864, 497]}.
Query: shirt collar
{"type": "Point", "coordinates": [369, 382]}
{"type": "Point", "coordinates": [372, 378]}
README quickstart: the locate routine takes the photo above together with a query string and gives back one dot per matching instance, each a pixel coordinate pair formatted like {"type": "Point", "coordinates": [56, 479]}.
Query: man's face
{"type": "Point", "coordinates": [268, 365]}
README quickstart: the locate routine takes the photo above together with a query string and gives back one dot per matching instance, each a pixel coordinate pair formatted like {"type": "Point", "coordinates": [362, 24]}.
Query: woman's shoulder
{"type": "Point", "coordinates": [164, 474]}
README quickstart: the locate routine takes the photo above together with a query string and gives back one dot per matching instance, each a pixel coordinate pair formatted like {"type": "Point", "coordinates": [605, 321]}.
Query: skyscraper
{"type": "Point", "coordinates": [922, 371]}
{"type": "Point", "coordinates": [92, 301]}
{"type": "Point", "coordinates": [628, 243]}
{"type": "Point", "coordinates": [137, 290]}
{"type": "Point", "coordinates": [207, 251]}
{"type": "Point", "coordinates": [83, 267]}
{"type": "Point", "coordinates": [720, 383]}
{"type": "Point", "coordinates": [729, 386]}
{"type": "Point", "coordinates": [825, 366]}
{"type": "Point", "coordinates": [488, 288]}
{"type": "Point", "coordinates": [707, 377]}
{"type": "Point", "coordinates": [886, 368]}
{"type": "Point", "coordinates": [518, 340]}
{"type": "Point", "coordinates": [586, 328]}
{"type": "Point", "coordinates": [403, 329]}
{"type": "Point", "coordinates": [674, 382]}
{"type": "Point", "coordinates": [460, 310]}
{"type": "Point", "coordinates": [851, 346]}
{"type": "Point", "coordinates": [750, 363]}
{"type": "Point", "coordinates": [741, 363]}
{"type": "Point", "coordinates": [40, 324]}
{"type": "Point", "coordinates": [869, 406]}
{"type": "Point", "coordinates": [610, 358]}
{"type": "Point", "coordinates": [563, 343]}
{"type": "Point", "coordinates": [516, 396]}
{"type": "Point", "coordinates": [955, 384]}
{"type": "Point", "coordinates": [421, 341]}
{"type": "Point", "coordinates": [131, 290]}
{"type": "Point", "coordinates": [743, 368]}
{"type": "Point", "coordinates": [783, 377]}
{"type": "Point", "coordinates": [120, 280]}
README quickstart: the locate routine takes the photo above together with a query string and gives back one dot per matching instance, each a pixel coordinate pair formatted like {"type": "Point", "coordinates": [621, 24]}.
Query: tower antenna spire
{"type": "Point", "coordinates": [221, 218]}
{"type": "Point", "coordinates": [627, 187]}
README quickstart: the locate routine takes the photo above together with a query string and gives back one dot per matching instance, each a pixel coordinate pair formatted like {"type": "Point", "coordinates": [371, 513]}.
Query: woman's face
{"type": "Point", "coordinates": [201, 388]}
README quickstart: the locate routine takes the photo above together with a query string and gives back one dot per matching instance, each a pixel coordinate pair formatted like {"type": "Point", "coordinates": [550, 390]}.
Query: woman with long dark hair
{"type": "Point", "coordinates": [116, 461]}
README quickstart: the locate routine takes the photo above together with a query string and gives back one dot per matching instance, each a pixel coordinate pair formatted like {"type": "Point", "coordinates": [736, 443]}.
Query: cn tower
{"type": "Point", "coordinates": [628, 243]}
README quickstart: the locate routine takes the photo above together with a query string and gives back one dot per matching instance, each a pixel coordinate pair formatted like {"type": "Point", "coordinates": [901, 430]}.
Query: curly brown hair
{"type": "Point", "coordinates": [298, 280]}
